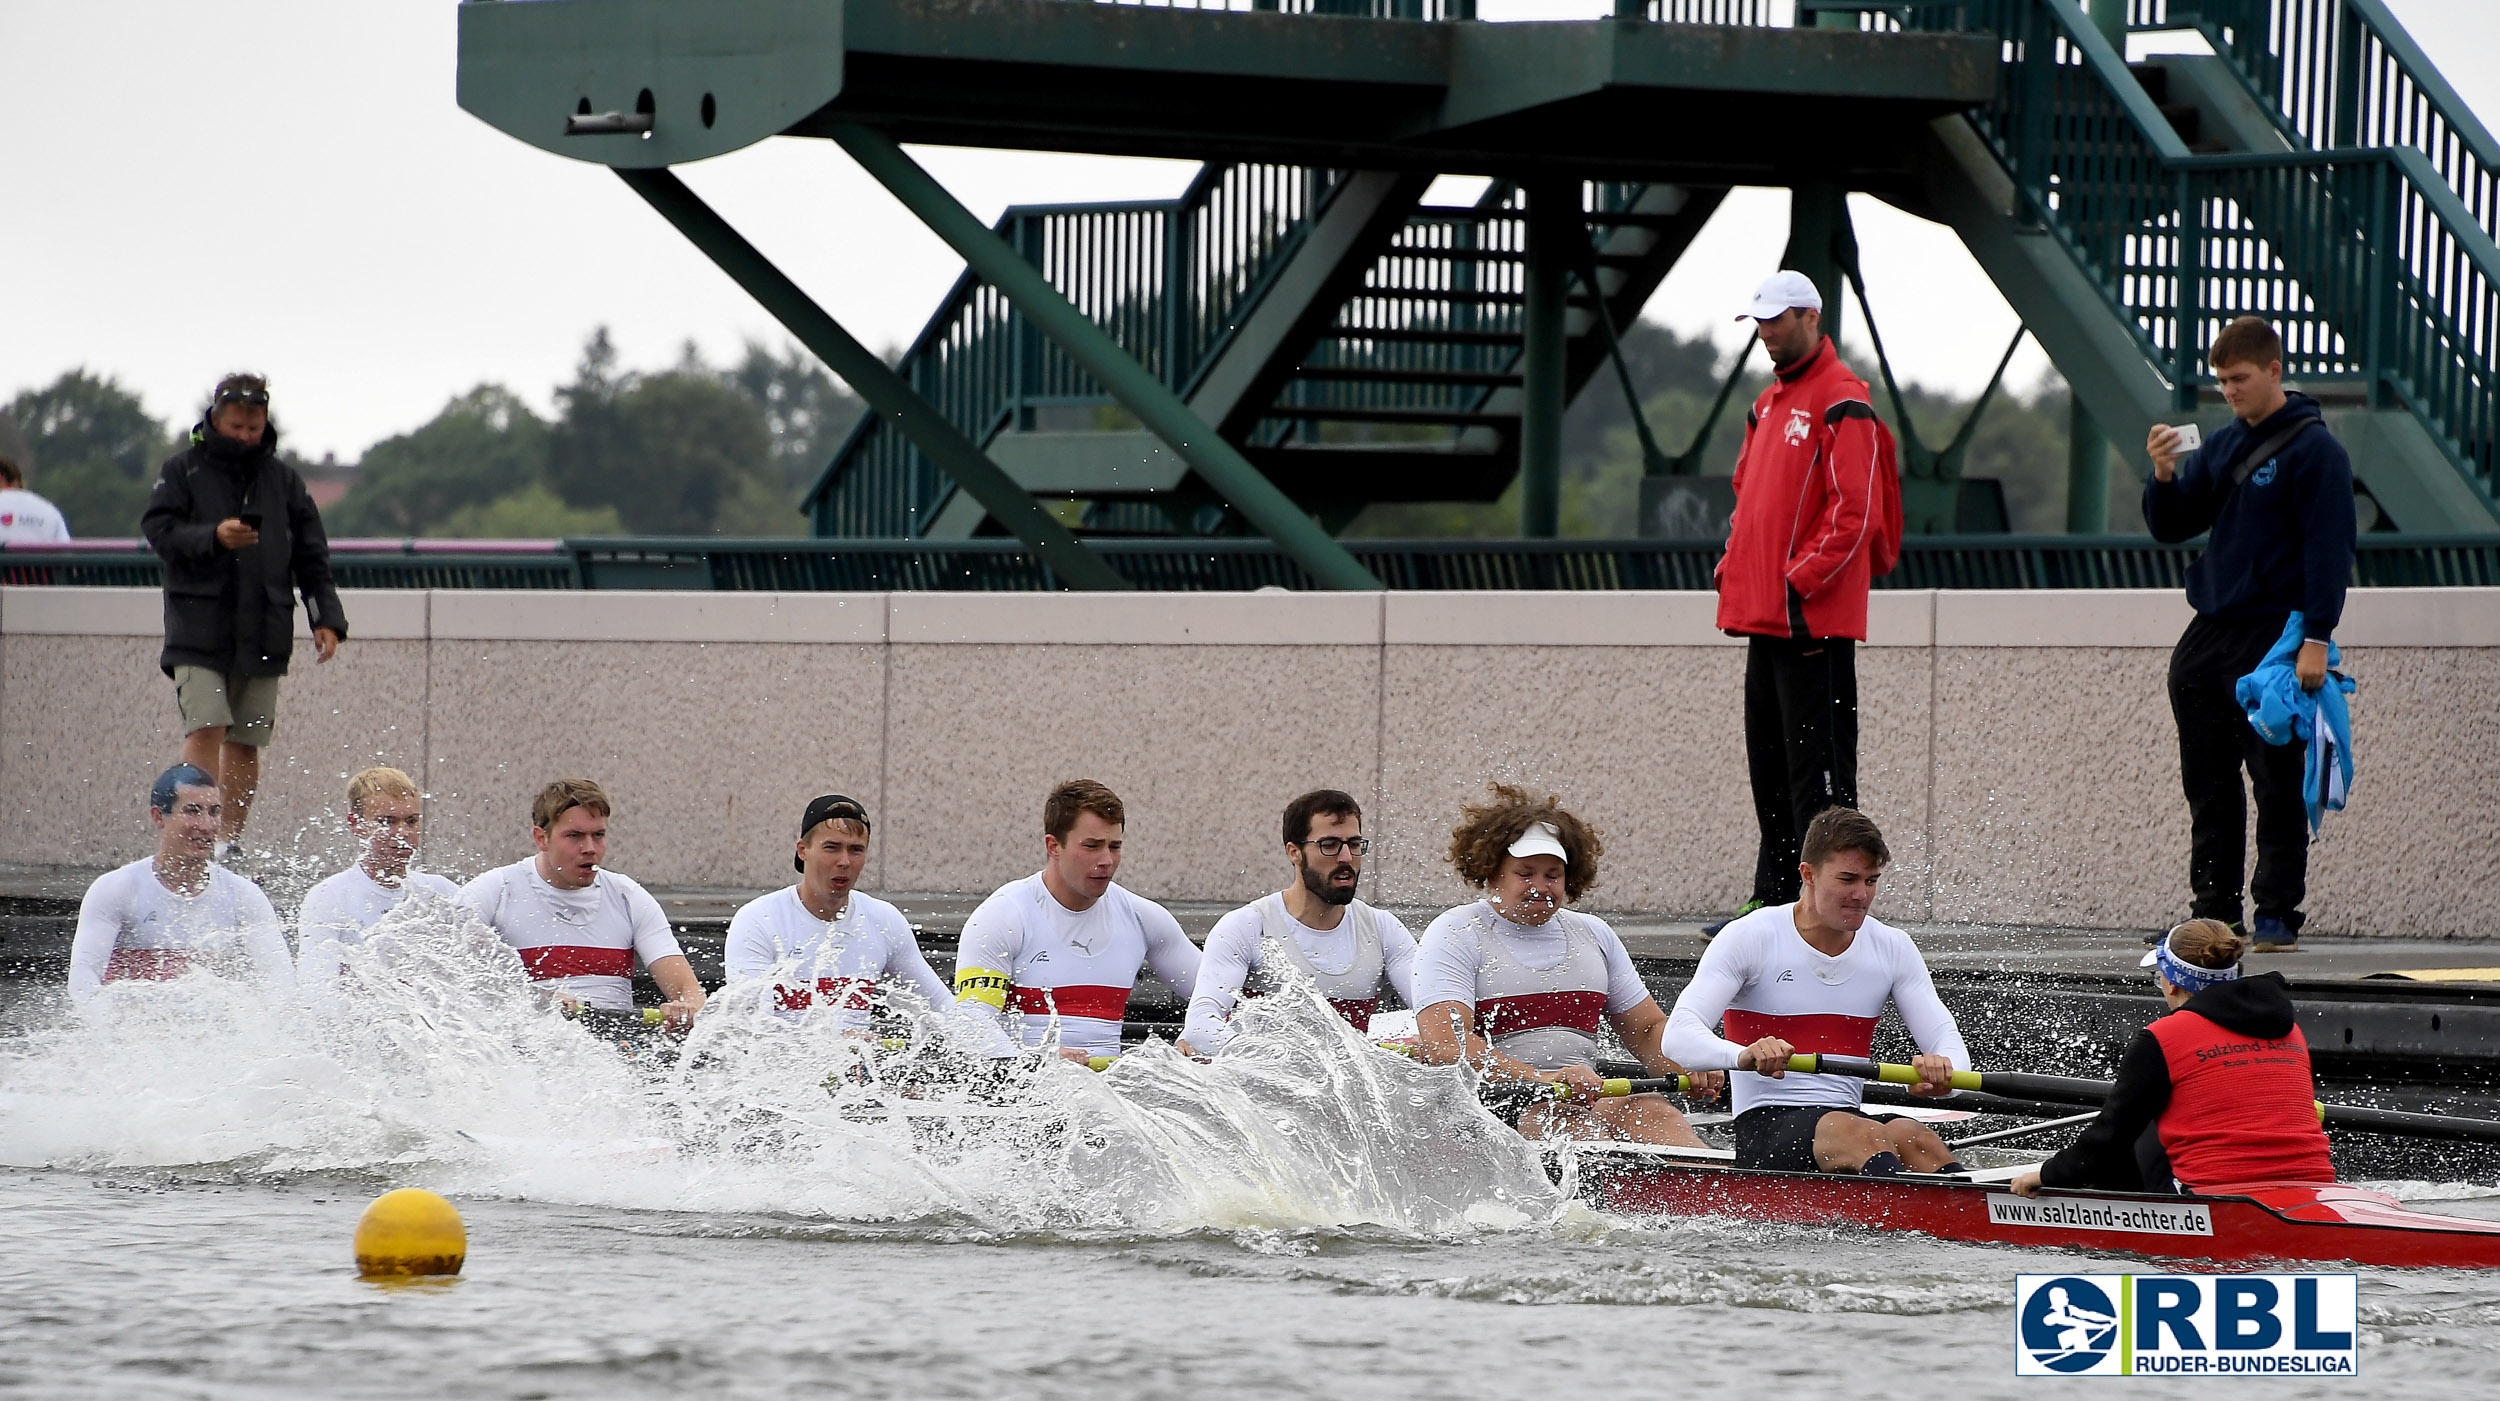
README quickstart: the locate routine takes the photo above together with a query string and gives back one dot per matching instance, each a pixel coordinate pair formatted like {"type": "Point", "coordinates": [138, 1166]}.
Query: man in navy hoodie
{"type": "Point", "coordinates": [2275, 490]}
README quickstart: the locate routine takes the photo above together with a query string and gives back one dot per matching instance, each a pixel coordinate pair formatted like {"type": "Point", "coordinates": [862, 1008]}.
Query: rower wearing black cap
{"type": "Point", "coordinates": [826, 943]}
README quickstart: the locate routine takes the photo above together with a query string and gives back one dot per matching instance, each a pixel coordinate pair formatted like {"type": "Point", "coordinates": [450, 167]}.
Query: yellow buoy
{"type": "Point", "coordinates": [410, 1232]}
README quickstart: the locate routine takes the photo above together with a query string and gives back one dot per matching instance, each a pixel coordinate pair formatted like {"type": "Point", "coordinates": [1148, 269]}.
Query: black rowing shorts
{"type": "Point", "coordinates": [1780, 1137]}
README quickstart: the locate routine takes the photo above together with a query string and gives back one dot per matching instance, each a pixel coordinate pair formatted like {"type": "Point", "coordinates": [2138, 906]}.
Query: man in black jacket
{"type": "Point", "coordinates": [240, 537]}
{"type": "Point", "coordinates": [2275, 489]}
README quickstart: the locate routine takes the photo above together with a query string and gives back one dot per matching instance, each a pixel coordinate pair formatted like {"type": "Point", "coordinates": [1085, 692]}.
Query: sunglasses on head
{"type": "Point", "coordinates": [241, 394]}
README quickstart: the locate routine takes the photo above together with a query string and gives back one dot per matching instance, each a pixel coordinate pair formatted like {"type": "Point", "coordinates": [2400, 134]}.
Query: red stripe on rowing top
{"type": "Point", "coordinates": [850, 993]}
{"type": "Point", "coordinates": [577, 961]}
{"type": "Point", "coordinates": [1358, 1012]}
{"type": "Point", "coordinates": [1500, 1016]}
{"type": "Point", "coordinates": [1102, 1004]}
{"type": "Point", "coordinates": [1825, 1033]}
{"type": "Point", "coordinates": [147, 965]}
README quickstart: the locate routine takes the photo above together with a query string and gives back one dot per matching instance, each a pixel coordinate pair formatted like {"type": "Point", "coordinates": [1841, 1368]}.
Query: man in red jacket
{"type": "Point", "coordinates": [1793, 581]}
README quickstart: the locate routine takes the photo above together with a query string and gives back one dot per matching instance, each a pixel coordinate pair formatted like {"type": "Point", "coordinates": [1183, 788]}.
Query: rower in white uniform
{"type": "Point", "coordinates": [1067, 943]}
{"type": "Point", "coordinates": [178, 911]}
{"type": "Point", "coordinates": [826, 942]}
{"type": "Point", "coordinates": [578, 927]}
{"type": "Point", "coordinates": [1346, 950]}
{"type": "Point", "coordinates": [385, 813]}
{"type": "Point", "coordinates": [1518, 986]}
{"type": "Point", "coordinates": [1814, 976]}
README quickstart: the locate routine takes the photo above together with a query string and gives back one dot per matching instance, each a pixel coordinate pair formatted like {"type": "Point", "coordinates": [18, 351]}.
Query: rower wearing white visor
{"type": "Point", "coordinates": [1344, 949]}
{"type": "Point", "coordinates": [827, 942]}
{"type": "Point", "coordinates": [385, 814]}
{"type": "Point", "coordinates": [1814, 976]}
{"type": "Point", "coordinates": [1518, 986]}
{"type": "Point", "coordinates": [1065, 945]}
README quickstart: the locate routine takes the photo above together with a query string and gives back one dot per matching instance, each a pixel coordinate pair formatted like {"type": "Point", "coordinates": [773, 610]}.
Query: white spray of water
{"type": "Point", "coordinates": [437, 1065]}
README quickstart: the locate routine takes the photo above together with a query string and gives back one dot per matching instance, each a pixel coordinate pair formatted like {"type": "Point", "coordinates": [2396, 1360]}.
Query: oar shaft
{"type": "Point", "coordinates": [2368, 1120]}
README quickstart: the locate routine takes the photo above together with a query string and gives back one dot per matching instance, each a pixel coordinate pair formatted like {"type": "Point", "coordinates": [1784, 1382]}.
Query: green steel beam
{"type": "Point", "coordinates": [1155, 404]}
{"type": "Point", "coordinates": [1553, 220]}
{"type": "Point", "coordinates": [2087, 472]}
{"type": "Point", "coordinates": [885, 391]}
{"type": "Point", "coordinates": [1820, 240]}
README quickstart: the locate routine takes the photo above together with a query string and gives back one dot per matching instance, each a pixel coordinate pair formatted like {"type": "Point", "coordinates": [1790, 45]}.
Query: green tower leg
{"type": "Point", "coordinates": [1553, 217]}
{"type": "Point", "coordinates": [1162, 411]}
{"type": "Point", "coordinates": [2087, 474]}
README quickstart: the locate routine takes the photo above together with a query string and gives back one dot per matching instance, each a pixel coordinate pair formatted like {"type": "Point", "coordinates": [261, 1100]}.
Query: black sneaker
{"type": "Point", "coordinates": [2274, 936]}
{"type": "Point", "coordinates": [1711, 931]}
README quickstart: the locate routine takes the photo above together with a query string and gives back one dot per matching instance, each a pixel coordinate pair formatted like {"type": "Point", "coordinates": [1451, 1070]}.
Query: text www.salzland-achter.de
{"type": "Point", "coordinates": [2078, 1213]}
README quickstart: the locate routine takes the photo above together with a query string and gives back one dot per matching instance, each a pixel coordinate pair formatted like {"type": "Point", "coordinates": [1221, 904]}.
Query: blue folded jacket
{"type": "Point", "coordinates": [2281, 712]}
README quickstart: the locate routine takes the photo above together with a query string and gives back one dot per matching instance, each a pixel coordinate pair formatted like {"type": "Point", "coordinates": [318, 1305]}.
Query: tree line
{"type": "Point", "coordinates": [693, 449]}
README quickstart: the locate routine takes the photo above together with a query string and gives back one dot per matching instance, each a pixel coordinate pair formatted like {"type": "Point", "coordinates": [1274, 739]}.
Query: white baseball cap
{"type": "Point", "coordinates": [1540, 840]}
{"type": "Point", "coordinates": [1782, 291]}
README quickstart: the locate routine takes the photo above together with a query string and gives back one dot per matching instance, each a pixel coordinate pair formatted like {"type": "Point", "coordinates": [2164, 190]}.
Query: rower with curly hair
{"type": "Point", "coordinates": [1518, 986]}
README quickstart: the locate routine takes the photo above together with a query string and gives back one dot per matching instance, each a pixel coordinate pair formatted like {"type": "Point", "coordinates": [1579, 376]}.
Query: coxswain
{"type": "Point", "coordinates": [2216, 1095]}
{"type": "Point", "coordinates": [1518, 986]}
{"type": "Point", "coordinates": [1346, 950]}
{"type": "Point", "coordinates": [168, 914]}
{"type": "Point", "coordinates": [826, 942]}
{"type": "Point", "coordinates": [578, 927]}
{"type": "Point", "coordinates": [1067, 943]}
{"type": "Point", "coordinates": [385, 814]}
{"type": "Point", "coordinates": [1814, 976]}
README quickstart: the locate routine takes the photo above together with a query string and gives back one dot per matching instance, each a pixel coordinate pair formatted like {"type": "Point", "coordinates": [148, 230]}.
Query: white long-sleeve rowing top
{"type": "Point", "coordinates": [131, 927]}
{"type": "Point", "coordinates": [1025, 953]}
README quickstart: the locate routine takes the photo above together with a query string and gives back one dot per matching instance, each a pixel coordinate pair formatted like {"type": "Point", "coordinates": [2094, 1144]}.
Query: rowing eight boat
{"type": "Point", "coordinates": [2288, 1221]}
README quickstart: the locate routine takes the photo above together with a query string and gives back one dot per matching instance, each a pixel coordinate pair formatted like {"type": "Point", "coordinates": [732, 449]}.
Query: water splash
{"type": "Point", "coordinates": [437, 1065]}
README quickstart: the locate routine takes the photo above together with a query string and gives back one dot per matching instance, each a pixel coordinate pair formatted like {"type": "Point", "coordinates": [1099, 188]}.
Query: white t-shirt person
{"type": "Point", "coordinates": [1080, 965]}
{"type": "Point", "coordinates": [130, 927]}
{"type": "Point", "coordinates": [28, 519]}
{"type": "Point", "coordinates": [1540, 993]}
{"type": "Point", "coordinates": [338, 913]}
{"type": "Point", "coordinates": [582, 943]}
{"type": "Point", "coordinates": [1346, 965]}
{"type": "Point", "coordinates": [829, 964]}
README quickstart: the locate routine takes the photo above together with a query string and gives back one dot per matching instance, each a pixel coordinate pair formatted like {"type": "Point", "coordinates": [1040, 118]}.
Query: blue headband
{"type": "Point", "coordinates": [2187, 976]}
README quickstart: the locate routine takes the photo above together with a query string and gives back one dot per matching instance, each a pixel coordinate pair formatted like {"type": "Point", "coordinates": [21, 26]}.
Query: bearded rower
{"type": "Point", "coordinates": [824, 940]}
{"type": "Point", "coordinates": [178, 910]}
{"type": "Point", "coordinates": [1344, 949]}
{"type": "Point", "coordinates": [1814, 976]}
{"type": "Point", "coordinates": [1517, 986]}
{"type": "Point", "coordinates": [1065, 945]}
{"type": "Point", "coordinates": [2215, 1095]}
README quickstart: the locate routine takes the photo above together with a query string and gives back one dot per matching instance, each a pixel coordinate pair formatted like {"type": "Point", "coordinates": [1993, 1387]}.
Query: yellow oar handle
{"type": "Point", "coordinates": [1617, 1089]}
{"type": "Point", "coordinates": [1808, 1063]}
{"type": "Point", "coordinates": [1099, 1062]}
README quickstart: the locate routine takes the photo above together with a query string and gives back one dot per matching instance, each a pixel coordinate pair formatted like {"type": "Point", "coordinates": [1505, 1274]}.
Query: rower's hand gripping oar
{"type": "Point", "coordinates": [2063, 1089]}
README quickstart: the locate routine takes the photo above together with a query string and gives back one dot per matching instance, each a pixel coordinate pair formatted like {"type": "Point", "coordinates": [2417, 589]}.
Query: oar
{"type": "Point", "coordinates": [2023, 1130]}
{"type": "Point", "coordinates": [2067, 1090]}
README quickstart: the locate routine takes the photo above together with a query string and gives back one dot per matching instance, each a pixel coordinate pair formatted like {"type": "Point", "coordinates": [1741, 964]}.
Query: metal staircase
{"type": "Point", "coordinates": [1357, 345]}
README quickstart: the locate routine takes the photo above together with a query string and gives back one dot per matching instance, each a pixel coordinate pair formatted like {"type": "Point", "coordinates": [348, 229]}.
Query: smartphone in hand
{"type": "Point", "coordinates": [250, 518]}
{"type": "Point", "coordinates": [2191, 438]}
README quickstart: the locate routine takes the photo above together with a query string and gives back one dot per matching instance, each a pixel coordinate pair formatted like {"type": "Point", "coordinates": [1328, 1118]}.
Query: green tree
{"type": "Point", "coordinates": [95, 448]}
{"type": "Point", "coordinates": [808, 411]}
{"type": "Point", "coordinates": [533, 513]}
{"type": "Point", "coordinates": [483, 447]}
{"type": "Point", "coordinates": [681, 452]}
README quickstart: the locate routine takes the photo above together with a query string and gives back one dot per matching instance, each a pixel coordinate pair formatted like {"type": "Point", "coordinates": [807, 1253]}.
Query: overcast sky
{"type": "Point", "coordinates": [287, 185]}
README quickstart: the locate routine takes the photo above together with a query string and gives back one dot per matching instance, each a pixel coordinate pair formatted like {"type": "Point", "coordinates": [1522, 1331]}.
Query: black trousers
{"type": "Point", "coordinates": [1801, 746]}
{"type": "Point", "coordinates": [2216, 743]}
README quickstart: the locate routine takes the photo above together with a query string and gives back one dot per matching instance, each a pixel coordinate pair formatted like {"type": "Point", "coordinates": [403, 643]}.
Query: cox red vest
{"type": "Point", "coordinates": [2242, 1108]}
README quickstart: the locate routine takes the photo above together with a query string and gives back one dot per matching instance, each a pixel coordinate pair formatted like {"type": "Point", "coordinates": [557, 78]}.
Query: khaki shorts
{"type": "Point", "coordinates": [245, 706]}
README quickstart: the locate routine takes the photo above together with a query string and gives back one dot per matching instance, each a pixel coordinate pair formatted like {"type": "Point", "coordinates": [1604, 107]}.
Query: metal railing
{"type": "Point", "coordinates": [2370, 265]}
{"type": "Point", "coordinates": [2340, 74]}
{"type": "Point", "coordinates": [805, 566]}
{"type": "Point", "coordinates": [988, 370]}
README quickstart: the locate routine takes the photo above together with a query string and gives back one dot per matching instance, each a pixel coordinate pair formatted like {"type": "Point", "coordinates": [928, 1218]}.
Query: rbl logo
{"type": "Point", "coordinates": [2187, 1325]}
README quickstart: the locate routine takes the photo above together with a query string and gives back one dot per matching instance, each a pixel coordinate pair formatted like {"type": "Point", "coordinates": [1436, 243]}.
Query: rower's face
{"type": "Point", "coordinates": [833, 854]}
{"type": "Point", "coordinates": [1529, 888]}
{"type": "Point", "coordinates": [1331, 878]}
{"type": "Point", "coordinates": [575, 845]}
{"type": "Point", "coordinates": [190, 827]}
{"type": "Point", "coordinates": [1088, 857]}
{"type": "Point", "coordinates": [388, 829]}
{"type": "Point", "coordinates": [1839, 892]}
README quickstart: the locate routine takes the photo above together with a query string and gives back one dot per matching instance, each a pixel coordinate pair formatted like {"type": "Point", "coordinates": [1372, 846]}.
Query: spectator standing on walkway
{"type": "Point", "coordinates": [2275, 489]}
{"type": "Point", "coordinates": [26, 518]}
{"type": "Point", "coordinates": [240, 537]}
{"type": "Point", "coordinates": [1794, 578]}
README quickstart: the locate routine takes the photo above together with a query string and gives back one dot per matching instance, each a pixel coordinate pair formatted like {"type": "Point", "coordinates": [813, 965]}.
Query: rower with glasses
{"type": "Point", "coordinates": [1344, 948]}
{"type": "Point", "coordinates": [579, 927]}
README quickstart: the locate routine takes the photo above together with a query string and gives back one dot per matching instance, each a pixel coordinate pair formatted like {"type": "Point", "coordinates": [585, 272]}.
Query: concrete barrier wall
{"type": "Point", "coordinates": [2017, 747]}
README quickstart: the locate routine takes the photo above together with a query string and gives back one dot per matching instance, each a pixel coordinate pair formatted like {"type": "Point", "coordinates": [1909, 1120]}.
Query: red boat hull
{"type": "Point", "coordinates": [2287, 1221]}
